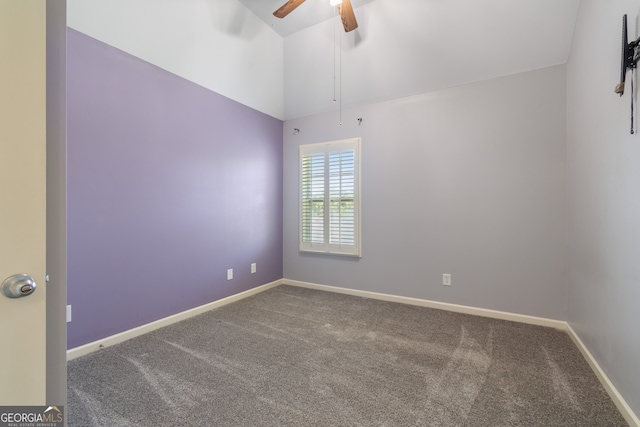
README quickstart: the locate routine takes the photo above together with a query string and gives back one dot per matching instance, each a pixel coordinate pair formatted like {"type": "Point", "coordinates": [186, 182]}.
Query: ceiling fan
{"type": "Point", "coordinates": [344, 7]}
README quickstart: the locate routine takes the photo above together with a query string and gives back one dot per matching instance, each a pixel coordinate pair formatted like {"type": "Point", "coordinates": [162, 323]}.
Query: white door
{"type": "Point", "coordinates": [22, 198]}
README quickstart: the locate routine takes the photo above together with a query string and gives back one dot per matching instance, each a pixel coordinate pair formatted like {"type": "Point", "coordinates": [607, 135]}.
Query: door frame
{"type": "Point", "coordinates": [56, 210]}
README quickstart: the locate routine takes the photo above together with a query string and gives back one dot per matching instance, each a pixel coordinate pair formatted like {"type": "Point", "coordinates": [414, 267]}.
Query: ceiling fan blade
{"type": "Point", "coordinates": [348, 17]}
{"type": "Point", "coordinates": [287, 8]}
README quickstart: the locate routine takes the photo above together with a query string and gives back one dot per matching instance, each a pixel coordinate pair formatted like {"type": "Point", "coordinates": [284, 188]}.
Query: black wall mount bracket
{"type": "Point", "coordinates": [629, 61]}
{"type": "Point", "coordinates": [629, 57]}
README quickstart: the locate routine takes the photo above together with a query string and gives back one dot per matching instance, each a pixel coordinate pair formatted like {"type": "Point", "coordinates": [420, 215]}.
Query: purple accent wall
{"type": "Point", "coordinates": [169, 185]}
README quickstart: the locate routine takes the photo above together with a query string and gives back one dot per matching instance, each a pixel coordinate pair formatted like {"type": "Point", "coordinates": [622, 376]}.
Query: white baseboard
{"type": "Point", "coordinates": [521, 318]}
{"type": "Point", "coordinates": [618, 400]}
{"type": "Point", "coordinates": [140, 330]}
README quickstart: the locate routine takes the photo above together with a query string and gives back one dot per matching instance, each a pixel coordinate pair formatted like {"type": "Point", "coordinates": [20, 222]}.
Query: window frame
{"type": "Point", "coordinates": [326, 246]}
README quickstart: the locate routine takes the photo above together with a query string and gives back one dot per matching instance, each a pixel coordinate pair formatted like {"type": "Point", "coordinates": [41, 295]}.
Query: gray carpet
{"type": "Point", "coordinates": [298, 357]}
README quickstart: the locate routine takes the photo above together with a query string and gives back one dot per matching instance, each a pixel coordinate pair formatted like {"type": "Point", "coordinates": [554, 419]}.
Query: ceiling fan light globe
{"type": "Point", "coordinates": [335, 2]}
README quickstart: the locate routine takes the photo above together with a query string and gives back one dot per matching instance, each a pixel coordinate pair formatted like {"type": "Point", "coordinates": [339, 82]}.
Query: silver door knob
{"type": "Point", "coordinates": [18, 285]}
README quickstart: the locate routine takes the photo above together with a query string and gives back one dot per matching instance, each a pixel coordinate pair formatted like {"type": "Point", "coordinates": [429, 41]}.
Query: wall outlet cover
{"type": "Point", "coordinates": [446, 279]}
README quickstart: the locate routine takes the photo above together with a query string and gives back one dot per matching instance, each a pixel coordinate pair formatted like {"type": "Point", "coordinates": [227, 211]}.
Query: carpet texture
{"type": "Point", "coordinates": [298, 357]}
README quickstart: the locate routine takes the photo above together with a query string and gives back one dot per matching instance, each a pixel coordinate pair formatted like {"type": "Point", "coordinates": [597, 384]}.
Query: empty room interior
{"type": "Point", "coordinates": [494, 185]}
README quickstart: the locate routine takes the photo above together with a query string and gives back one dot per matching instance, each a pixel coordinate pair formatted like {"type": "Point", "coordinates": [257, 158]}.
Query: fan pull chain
{"type": "Point", "coordinates": [335, 65]}
{"type": "Point", "coordinates": [334, 53]}
{"type": "Point", "coordinates": [340, 37]}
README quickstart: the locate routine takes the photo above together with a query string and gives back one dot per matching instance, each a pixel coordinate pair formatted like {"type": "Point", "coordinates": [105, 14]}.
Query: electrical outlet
{"type": "Point", "coordinates": [253, 268]}
{"type": "Point", "coordinates": [69, 313]}
{"type": "Point", "coordinates": [229, 273]}
{"type": "Point", "coordinates": [446, 279]}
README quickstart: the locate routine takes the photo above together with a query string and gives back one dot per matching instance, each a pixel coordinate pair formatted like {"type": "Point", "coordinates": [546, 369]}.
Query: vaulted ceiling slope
{"type": "Point", "coordinates": [218, 44]}
{"type": "Point", "coordinates": [401, 47]}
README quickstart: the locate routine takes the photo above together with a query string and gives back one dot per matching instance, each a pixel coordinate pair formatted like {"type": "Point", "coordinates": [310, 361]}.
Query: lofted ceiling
{"type": "Point", "coordinates": [407, 47]}
{"type": "Point", "coordinates": [287, 67]}
{"type": "Point", "coordinates": [309, 13]}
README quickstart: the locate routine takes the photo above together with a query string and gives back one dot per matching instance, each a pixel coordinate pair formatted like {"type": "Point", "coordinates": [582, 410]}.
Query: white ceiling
{"type": "Point", "coordinates": [408, 47]}
{"type": "Point", "coordinates": [309, 13]}
{"type": "Point", "coordinates": [287, 67]}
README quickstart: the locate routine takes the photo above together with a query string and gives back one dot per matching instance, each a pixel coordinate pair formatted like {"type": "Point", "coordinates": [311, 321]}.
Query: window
{"type": "Point", "coordinates": [330, 197]}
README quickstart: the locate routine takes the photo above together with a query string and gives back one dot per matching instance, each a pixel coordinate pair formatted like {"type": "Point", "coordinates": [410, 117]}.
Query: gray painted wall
{"type": "Point", "coordinates": [468, 181]}
{"type": "Point", "coordinates": [604, 202]}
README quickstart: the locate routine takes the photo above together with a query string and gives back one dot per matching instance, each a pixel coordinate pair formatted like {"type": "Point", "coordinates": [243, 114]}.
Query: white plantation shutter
{"type": "Point", "coordinates": [341, 197]}
{"type": "Point", "coordinates": [313, 198]}
{"type": "Point", "coordinates": [330, 197]}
